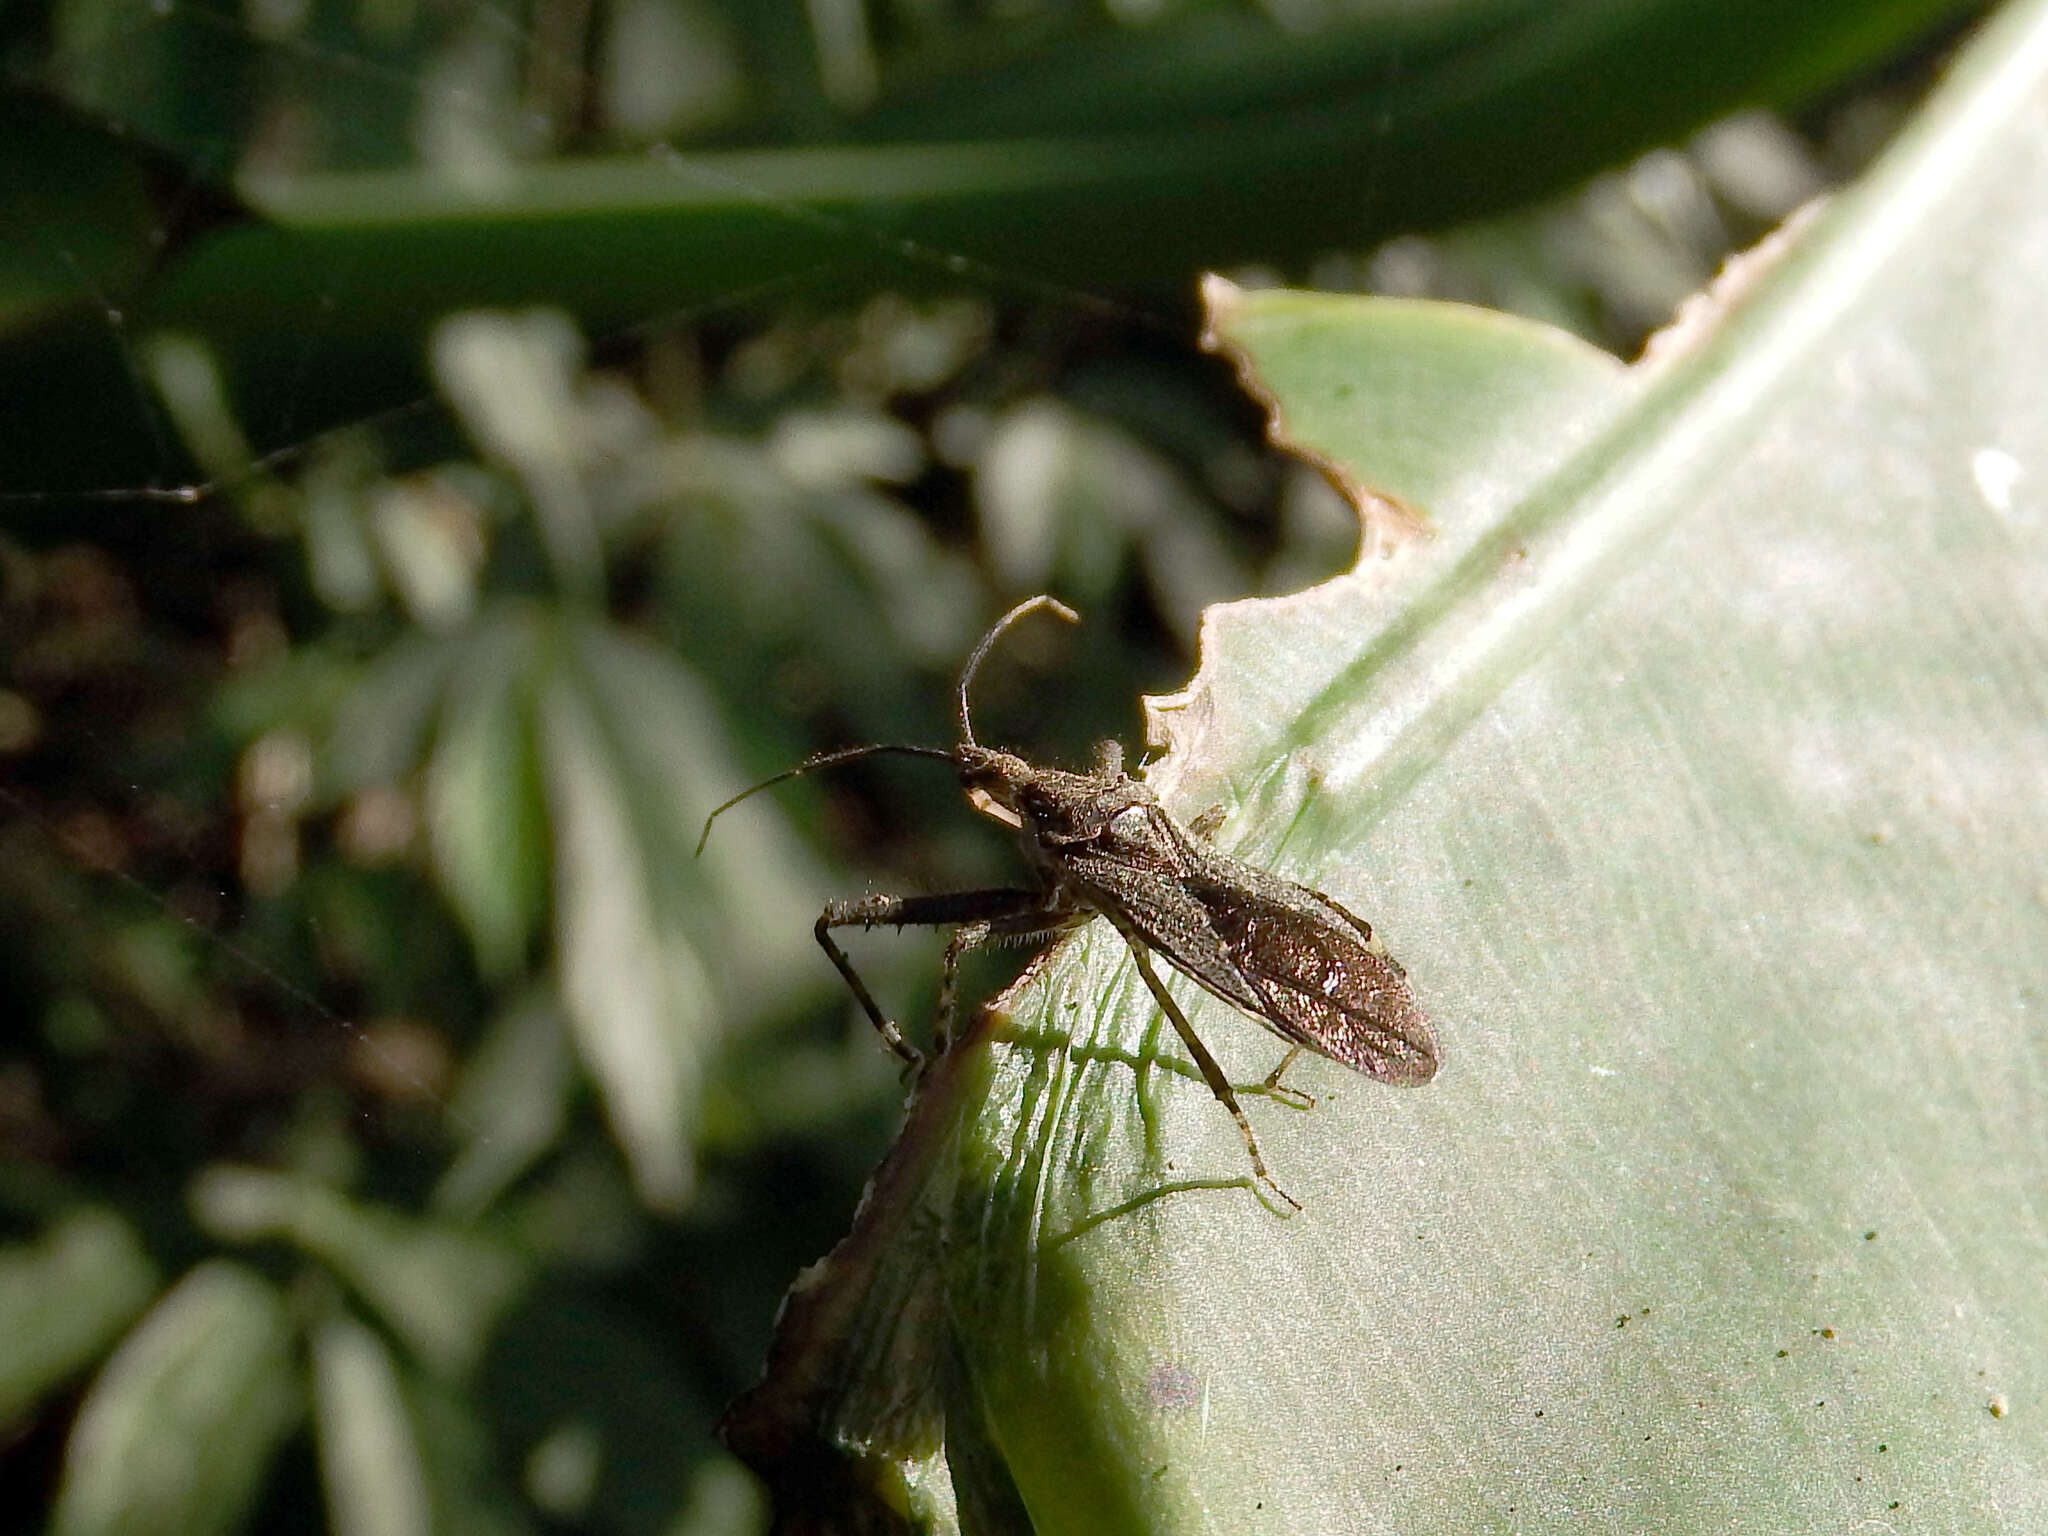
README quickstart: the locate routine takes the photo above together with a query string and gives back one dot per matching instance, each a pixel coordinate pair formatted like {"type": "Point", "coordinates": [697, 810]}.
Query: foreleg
{"type": "Point", "coordinates": [980, 915]}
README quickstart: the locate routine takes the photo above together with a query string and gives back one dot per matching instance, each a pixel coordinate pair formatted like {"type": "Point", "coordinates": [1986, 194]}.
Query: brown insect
{"type": "Point", "coordinates": [1100, 844]}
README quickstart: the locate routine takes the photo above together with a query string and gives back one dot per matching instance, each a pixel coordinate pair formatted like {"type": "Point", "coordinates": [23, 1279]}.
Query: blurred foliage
{"type": "Point", "coordinates": [724, 161]}
{"type": "Point", "coordinates": [397, 1117]}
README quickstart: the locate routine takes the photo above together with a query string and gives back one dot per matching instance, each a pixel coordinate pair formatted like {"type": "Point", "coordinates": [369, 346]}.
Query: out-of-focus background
{"type": "Point", "coordinates": [448, 448]}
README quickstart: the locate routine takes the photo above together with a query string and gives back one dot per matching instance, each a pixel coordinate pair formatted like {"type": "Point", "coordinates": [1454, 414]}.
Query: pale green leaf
{"type": "Point", "coordinates": [510, 1106]}
{"type": "Point", "coordinates": [675, 764]}
{"type": "Point", "coordinates": [638, 1001]}
{"type": "Point", "coordinates": [384, 725]}
{"type": "Point", "coordinates": [369, 1463]}
{"type": "Point", "coordinates": [1448, 409]}
{"type": "Point", "coordinates": [484, 812]}
{"type": "Point", "coordinates": [440, 1287]}
{"type": "Point", "coordinates": [175, 1435]}
{"type": "Point", "coordinates": [66, 1297]}
{"type": "Point", "coordinates": [401, 1452]}
{"type": "Point", "coordinates": [511, 377]}
{"type": "Point", "coordinates": [661, 951]}
{"type": "Point", "coordinates": [1696, 773]}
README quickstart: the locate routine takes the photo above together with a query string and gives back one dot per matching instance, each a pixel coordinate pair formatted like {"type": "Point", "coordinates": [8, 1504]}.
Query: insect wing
{"type": "Point", "coordinates": [1291, 957]}
{"type": "Point", "coordinates": [1330, 985]}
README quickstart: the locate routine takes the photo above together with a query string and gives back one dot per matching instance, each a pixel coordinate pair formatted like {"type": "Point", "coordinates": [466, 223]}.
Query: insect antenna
{"type": "Point", "coordinates": [812, 765]}
{"type": "Point", "coordinates": [1029, 606]}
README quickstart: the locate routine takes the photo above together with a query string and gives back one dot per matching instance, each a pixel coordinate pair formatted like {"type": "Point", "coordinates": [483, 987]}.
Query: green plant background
{"type": "Point", "coordinates": [403, 1130]}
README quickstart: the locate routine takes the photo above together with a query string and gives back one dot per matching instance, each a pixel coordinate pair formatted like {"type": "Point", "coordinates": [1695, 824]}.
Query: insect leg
{"type": "Point", "coordinates": [1212, 1074]}
{"type": "Point", "coordinates": [983, 909]}
{"type": "Point", "coordinates": [973, 936]}
{"type": "Point", "coordinates": [1039, 921]}
{"type": "Point", "coordinates": [1273, 1088]}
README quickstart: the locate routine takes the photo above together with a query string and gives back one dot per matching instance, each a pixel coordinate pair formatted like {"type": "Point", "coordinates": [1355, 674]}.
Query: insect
{"type": "Point", "coordinates": [1099, 844]}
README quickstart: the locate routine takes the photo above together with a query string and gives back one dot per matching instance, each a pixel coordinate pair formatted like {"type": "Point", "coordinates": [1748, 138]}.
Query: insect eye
{"type": "Point", "coordinates": [1037, 804]}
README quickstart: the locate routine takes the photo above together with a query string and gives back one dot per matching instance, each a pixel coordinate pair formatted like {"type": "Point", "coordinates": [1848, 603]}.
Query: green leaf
{"type": "Point", "coordinates": [463, 1462]}
{"type": "Point", "coordinates": [1214, 135]}
{"type": "Point", "coordinates": [567, 750]}
{"type": "Point", "coordinates": [486, 820]}
{"type": "Point", "coordinates": [1694, 772]}
{"type": "Point", "coordinates": [662, 953]}
{"type": "Point", "coordinates": [1215, 141]}
{"type": "Point", "coordinates": [512, 379]}
{"type": "Point", "coordinates": [175, 1435]}
{"type": "Point", "coordinates": [369, 1463]}
{"type": "Point", "coordinates": [401, 1453]}
{"type": "Point", "coordinates": [638, 1001]}
{"type": "Point", "coordinates": [1442, 406]}
{"type": "Point", "coordinates": [738, 892]}
{"type": "Point", "coordinates": [382, 728]}
{"type": "Point", "coordinates": [440, 1287]}
{"type": "Point", "coordinates": [510, 1106]}
{"type": "Point", "coordinates": [66, 1298]}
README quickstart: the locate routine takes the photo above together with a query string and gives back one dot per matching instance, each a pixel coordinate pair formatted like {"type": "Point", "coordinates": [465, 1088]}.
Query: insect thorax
{"type": "Point", "coordinates": [1048, 806]}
